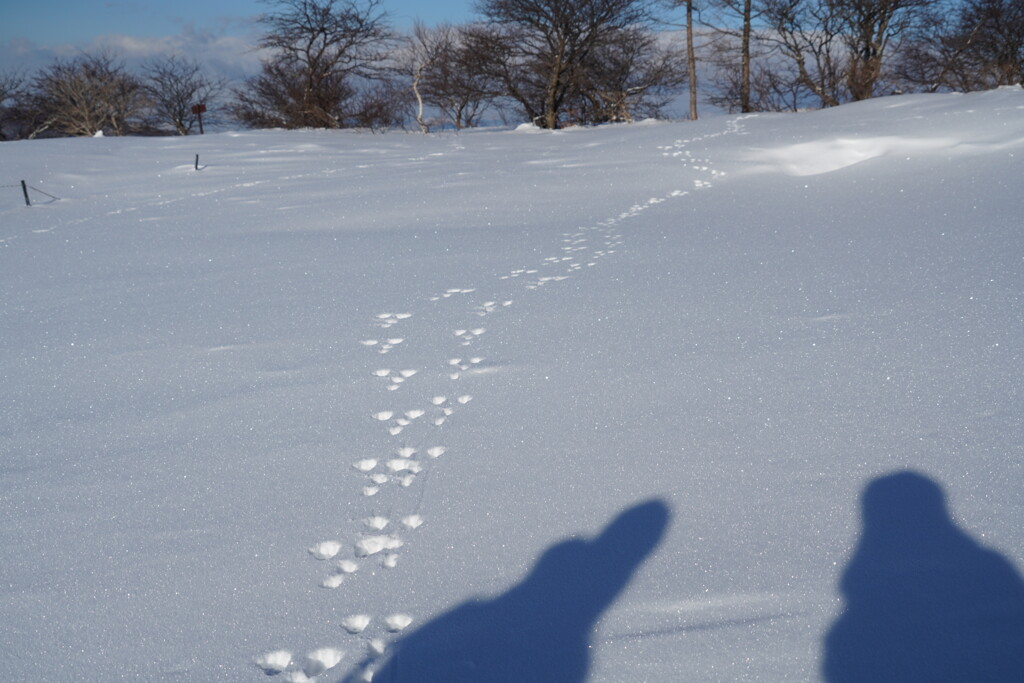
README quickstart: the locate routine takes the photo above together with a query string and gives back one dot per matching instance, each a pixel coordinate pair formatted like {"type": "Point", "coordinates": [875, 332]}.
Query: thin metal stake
{"type": "Point", "coordinates": [24, 189]}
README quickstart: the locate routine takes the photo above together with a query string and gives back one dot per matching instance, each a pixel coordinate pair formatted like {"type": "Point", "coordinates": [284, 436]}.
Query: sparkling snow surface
{"type": "Point", "coordinates": [601, 402]}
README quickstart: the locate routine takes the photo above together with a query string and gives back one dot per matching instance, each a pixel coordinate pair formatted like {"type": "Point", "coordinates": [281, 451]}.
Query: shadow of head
{"type": "Point", "coordinates": [540, 629]}
{"type": "Point", "coordinates": [585, 576]}
{"type": "Point", "coordinates": [905, 507]}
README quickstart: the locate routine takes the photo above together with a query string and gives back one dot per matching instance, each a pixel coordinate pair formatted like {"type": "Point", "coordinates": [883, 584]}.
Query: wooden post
{"type": "Point", "coordinates": [24, 190]}
{"type": "Point", "coordinates": [198, 110]}
{"type": "Point", "coordinates": [197, 162]}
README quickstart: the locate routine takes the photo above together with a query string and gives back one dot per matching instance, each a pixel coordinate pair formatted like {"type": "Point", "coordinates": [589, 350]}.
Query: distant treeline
{"type": "Point", "coordinates": [340, 64]}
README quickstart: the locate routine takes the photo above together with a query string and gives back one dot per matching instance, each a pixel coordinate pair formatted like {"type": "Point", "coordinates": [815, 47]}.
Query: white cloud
{"type": "Point", "coordinates": [233, 55]}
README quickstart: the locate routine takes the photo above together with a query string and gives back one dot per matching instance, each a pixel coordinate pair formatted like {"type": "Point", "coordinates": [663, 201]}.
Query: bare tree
{"type": "Point", "coordinates": [173, 86]}
{"type": "Point", "coordinates": [840, 49]}
{"type": "Point", "coordinates": [425, 49]}
{"type": "Point", "coordinates": [870, 29]}
{"type": "Point", "coordinates": [928, 60]}
{"type": "Point", "coordinates": [321, 50]}
{"type": "Point", "coordinates": [988, 39]}
{"type": "Point", "coordinates": [445, 74]}
{"type": "Point", "coordinates": [11, 84]}
{"type": "Point", "coordinates": [977, 47]}
{"type": "Point", "coordinates": [12, 92]}
{"type": "Point", "coordinates": [456, 84]}
{"type": "Point", "coordinates": [633, 73]}
{"type": "Point", "coordinates": [774, 83]}
{"type": "Point", "coordinates": [87, 95]}
{"type": "Point", "coordinates": [809, 34]}
{"type": "Point", "coordinates": [501, 63]}
{"type": "Point", "coordinates": [276, 98]}
{"type": "Point", "coordinates": [691, 13]}
{"type": "Point", "coordinates": [383, 105]}
{"type": "Point", "coordinates": [723, 18]}
{"type": "Point", "coordinates": [537, 48]}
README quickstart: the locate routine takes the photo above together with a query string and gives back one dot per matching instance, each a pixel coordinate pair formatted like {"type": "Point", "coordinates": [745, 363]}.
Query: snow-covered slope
{"type": "Point", "coordinates": [334, 391]}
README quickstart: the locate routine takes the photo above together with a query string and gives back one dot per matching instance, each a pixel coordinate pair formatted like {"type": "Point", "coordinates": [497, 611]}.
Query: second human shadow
{"type": "Point", "coordinates": [924, 601]}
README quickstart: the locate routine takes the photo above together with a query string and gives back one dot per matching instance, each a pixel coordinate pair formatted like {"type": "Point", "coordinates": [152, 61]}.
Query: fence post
{"type": "Point", "coordinates": [24, 190]}
{"type": "Point", "coordinates": [197, 162]}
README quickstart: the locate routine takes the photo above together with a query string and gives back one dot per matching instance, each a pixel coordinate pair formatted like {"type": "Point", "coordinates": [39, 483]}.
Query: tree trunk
{"type": "Point", "coordinates": [551, 91]}
{"type": "Point", "coordinates": [691, 60]}
{"type": "Point", "coordinates": [745, 60]}
{"type": "Point", "coordinates": [419, 98]}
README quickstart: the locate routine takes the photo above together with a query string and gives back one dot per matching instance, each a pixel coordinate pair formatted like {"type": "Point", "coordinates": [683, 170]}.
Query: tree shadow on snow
{"type": "Point", "coordinates": [924, 602]}
{"type": "Point", "coordinates": [539, 630]}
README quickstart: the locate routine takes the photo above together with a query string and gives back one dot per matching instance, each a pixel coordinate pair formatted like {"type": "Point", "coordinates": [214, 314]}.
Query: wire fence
{"type": "Point", "coordinates": [25, 188]}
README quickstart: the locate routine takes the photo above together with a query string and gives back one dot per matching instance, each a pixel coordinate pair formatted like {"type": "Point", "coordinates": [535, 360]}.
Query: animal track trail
{"type": "Point", "coordinates": [394, 379]}
{"type": "Point", "coordinates": [411, 432]}
{"type": "Point", "coordinates": [383, 346]}
{"type": "Point", "coordinates": [449, 293]}
{"type": "Point", "coordinates": [702, 165]}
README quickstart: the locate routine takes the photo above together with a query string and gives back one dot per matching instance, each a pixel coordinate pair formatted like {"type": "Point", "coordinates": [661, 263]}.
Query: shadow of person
{"type": "Point", "coordinates": [540, 629]}
{"type": "Point", "coordinates": [924, 602]}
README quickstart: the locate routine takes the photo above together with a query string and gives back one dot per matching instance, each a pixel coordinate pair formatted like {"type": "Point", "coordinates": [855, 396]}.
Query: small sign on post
{"type": "Point", "coordinates": [198, 110]}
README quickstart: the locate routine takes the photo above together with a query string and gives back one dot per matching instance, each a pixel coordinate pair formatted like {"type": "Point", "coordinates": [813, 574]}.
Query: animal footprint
{"type": "Point", "coordinates": [319, 661]}
{"type": "Point", "coordinates": [386, 320]}
{"type": "Point", "coordinates": [404, 465]}
{"type": "Point", "coordinates": [448, 293]}
{"type": "Point", "coordinates": [490, 307]}
{"type": "Point", "coordinates": [397, 622]}
{"type": "Point", "coordinates": [394, 379]}
{"type": "Point", "coordinates": [371, 545]}
{"type": "Point", "coordinates": [325, 550]}
{"type": "Point", "coordinates": [356, 623]}
{"type": "Point", "coordinates": [274, 662]}
{"type": "Point", "coordinates": [412, 521]}
{"type": "Point", "coordinates": [390, 344]}
{"type": "Point", "coordinates": [333, 580]}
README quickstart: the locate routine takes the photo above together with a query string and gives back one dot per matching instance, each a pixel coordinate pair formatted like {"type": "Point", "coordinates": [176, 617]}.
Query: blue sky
{"type": "Point", "coordinates": [52, 22]}
{"type": "Point", "coordinates": [32, 32]}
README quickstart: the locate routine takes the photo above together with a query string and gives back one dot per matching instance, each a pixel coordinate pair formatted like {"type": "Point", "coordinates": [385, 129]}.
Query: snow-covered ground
{"type": "Point", "coordinates": [476, 396]}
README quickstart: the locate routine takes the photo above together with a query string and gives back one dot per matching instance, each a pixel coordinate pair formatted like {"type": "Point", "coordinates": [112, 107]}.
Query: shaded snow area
{"type": "Point", "coordinates": [731, 400]}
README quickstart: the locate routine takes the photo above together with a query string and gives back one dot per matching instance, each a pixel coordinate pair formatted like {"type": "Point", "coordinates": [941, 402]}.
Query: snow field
{"type": "Point", "coordinates": [278, 415]}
